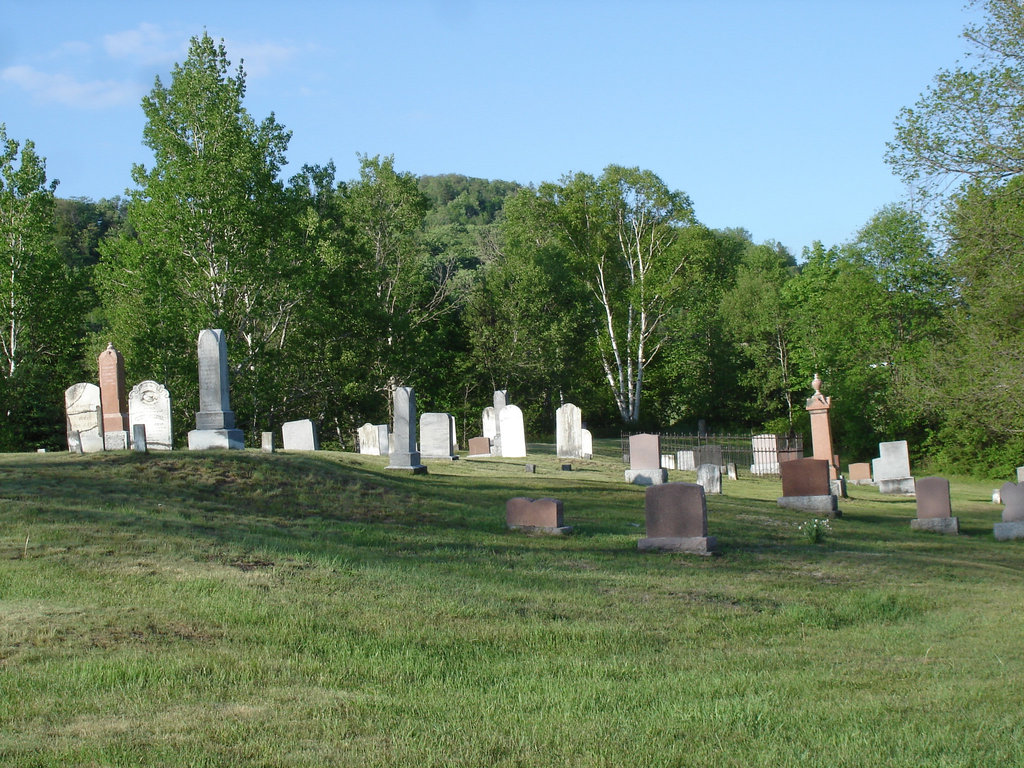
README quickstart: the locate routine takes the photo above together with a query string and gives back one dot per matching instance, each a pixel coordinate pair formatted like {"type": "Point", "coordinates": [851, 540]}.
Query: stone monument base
{"type": "Point", "coordinates": [560, 530]}
{"type": "Point", "coordinates": [936, 524]}
{"type": "Point", "coordinates": [115, 440]}
{"type": "Point", "coordinates": [416, 469]}
{"type": "Point", "coordinates": [838, 487]}
{"type": "Point", "coordinates": [902, 486]}
{"type": "Point", "coordinates": [647, 476]}
{"type": "Point", "coordinates": [697, 545]}
{"type": "Point", "coordinates": [1008, 531]}
{"type": "Point", "coordinates": [204, 439]}
{"type": "Point", "coordinates": [827, 504]}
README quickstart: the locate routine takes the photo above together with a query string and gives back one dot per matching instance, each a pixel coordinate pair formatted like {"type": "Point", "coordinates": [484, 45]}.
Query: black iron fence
{"type": "Point", "coordinates": [752, 454]}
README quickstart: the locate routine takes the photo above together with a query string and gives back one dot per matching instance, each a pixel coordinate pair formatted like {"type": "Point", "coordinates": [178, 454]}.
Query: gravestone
{"type": "Point", "coordinates": [511, 432]}
{"type": "Point", "coordinates": [1020, 474]}
{"type": "Point", "coordinates": [860, 474]}
{"type": "Point", "coordinates": [436, 436]}
{"type": "Point", "coordinates": [404, 455]}
{"type": "Point", "coordinates": [730, 470]}
{"type": "Point", "coordinates": [535, 515]}
{"type": "Point", "coordinates": [709, 454]}
{"type": "Point", "coordinates": [479, 446]}
{"type": "Point", "coordinates": [267, 442]}
{"type": "Point", "coordinates": [821, 431]}
{"type": "Point", "coordinates": [806, 486]}
{"type": "Point", "coordinates": [74, 443]}
{"type": "Point", "coordinates": [1012, 525]}
{"type": "Point", "coordinates": [139, 442]}
{"type": "Point", "coordinates": [455, 436]}
{"type": "Point", "coordinates": [587, 450]}
{"type": "Point", "coordinates": [569, 432]}
{"type": "Point", "coordinates": [113, 399]}
{"type": "Point", "coordinates": [500, 401]}
{"type": "Point", "coordinates": [300, 435]}
{"type": "Point", "coordinates": [645, 461]}
{"type": "Point", "coordinates": [373, 440]}
{"type": "Point", "coordinates": [685, 460]}
{"type": "Point", "coordinates": [82, 406]}
{"type": "Point", "coordinates": [668, 461]}
{"type": "Point", "coordinates": [766, 454]}
{"type": "Point", "coordinates": [934, 512]}
{"type": "Point", "coordinates": [489, 424]}
{"type": "Point", "coordinates": [149, 404]}
{"type": "Point", "coordinates": [891, 470]}
{"type": "Point", "coordinates": [709, 477]}
{"type": "Point", "coordinates": [676, 515]}
{"type": "Point", "coordinates": [215, 421]}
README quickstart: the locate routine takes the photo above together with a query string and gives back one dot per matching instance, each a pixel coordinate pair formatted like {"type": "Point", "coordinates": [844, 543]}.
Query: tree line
{"type": "Point", "coordinates": [601, 290]}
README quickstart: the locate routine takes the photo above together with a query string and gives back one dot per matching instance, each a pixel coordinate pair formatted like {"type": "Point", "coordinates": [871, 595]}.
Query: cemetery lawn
{"type": "Point", "coordinates": [216, 608]}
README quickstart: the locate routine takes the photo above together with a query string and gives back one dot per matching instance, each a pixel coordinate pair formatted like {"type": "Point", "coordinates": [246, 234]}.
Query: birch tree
{"type": "Point", "coordinates": [621, 236]}
{"type": "Point", "coordinates": [40, 344]}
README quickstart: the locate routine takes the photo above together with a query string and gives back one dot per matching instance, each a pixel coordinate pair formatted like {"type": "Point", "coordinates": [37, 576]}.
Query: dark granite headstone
{"type": "Point", "coordinates": [676, 515]}
{"type": "Point", "coordinates": [933, 497]}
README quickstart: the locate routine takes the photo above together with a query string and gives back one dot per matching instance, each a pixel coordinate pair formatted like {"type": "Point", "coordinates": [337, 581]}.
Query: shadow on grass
{"type": "Point", "coordinates": [340, 505]}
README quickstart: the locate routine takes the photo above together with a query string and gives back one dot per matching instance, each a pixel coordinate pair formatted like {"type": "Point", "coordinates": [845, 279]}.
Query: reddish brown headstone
{"type": "Point", "coordinates": [479, 446]}
{"type": "Point", "coordinates": [860, 473]}
{"type": "Point", "coordinates": [113, 393]}
{"type": "Point", "coordinates": [644, 452]}
{"type": "Point", "coordinates": [805, 477]}
{"type": "Point", "coordinates": [676, 510]}
{"type": "Point", "coordinates": [539, 514]}
{"type": "Point", "coordinates": [933, 498]}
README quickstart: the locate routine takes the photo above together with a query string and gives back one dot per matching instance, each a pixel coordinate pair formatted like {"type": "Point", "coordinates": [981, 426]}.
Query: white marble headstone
{"type": "Point", "coordinates": [82, 405]}
{"type": "Point", "coordinates": [149, 404]}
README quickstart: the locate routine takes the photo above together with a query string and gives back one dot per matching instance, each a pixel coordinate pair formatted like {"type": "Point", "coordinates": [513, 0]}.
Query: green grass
{"type": "Point", "coordinates": [304, 610]}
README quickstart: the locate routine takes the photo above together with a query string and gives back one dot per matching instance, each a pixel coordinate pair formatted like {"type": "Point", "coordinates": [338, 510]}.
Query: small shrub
{"type": "Point", "coordinates": [814, 531]}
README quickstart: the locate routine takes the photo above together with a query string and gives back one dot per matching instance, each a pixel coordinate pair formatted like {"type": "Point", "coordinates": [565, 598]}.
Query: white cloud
{"type": "Point", "coordinates": [146, 44]}
{"type": "Point", "coordinates": [66, 90]}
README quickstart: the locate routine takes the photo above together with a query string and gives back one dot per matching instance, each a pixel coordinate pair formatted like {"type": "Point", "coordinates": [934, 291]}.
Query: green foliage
{"type": "Point", "coordinates": [40, 338]}
{"type": "Point", "coordinates": [210, 244]}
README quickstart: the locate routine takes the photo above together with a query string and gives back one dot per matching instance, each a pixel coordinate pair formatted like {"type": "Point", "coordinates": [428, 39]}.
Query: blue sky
{"type": "Point", "coordinates": [770, 115]}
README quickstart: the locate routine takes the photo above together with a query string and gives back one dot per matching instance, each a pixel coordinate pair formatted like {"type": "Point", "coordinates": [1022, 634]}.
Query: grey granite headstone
{"type": "Point", "coordinates": [404, 455]}
{"type": "Point", "coordinates": [436, 436]}
{"type": "Point", "coordinates": [300, 435]}
{"type": "Point", "coordinates": [644, 451]}
{"type": "Point", "coordinates": [1012, 525]}
{"type": "Point", "coordinates": [149, 404]}
{"type": "Point", "coordinates": [766, 454]}
{"type": "Point", "coordinates": [267, 442]}
{"type": "Point", "coordinates": [569, 432]}
{"type": "Point", "coordinates": [82, 405]}
{"type": "Point", "coordinates": [139, 441]}
{"type": "Point", "coordinates": [1020, 474]}
{"type": "Point", "coordinates": [709, 477]}
{"type": "Point", "coordinates": [215, 421]}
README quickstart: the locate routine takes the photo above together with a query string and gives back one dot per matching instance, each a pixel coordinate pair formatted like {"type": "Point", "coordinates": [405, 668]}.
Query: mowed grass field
{"type": "Point", "coordinates": [213, 609]}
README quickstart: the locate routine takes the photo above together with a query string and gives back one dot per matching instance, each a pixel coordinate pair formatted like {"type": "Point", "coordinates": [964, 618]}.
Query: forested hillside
{"type": "Point", "coordinates": [603, 290]}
